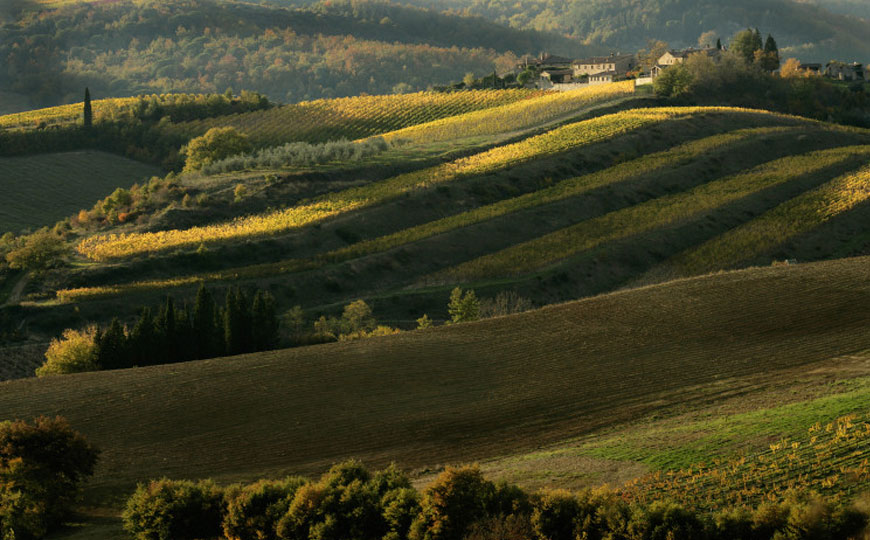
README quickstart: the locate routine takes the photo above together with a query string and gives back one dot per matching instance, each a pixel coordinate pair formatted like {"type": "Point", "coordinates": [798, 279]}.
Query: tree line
{"type": "Point", "coordinates": [745, 76]}
{"type": "Point", "coordinates": [333, 49]}
{"type": "Point", "coordinates": [245, 323]}
{"type": "Point", "coordinates": [349, 501]}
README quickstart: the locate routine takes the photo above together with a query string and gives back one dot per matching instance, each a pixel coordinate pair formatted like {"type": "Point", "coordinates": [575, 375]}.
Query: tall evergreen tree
{"type": "Point", "coordinates": [264, 321]}
{"type": "Point", "coordinates": [719, 43]}
{"type": "Point", "coordinates": [143, 340]}
{"type": "Point", "coordinates": [167, 334]}
{"type": "Point", "coordinates": [208, 335]}
{"type": "Point", "coordinates": [232, 322]}
{"type": "Point", "coordinates": [112, 351]}
{"type": "Point", "coordinates": [769, 60]}
{"type": "Point", "coordinates": [88, 113]}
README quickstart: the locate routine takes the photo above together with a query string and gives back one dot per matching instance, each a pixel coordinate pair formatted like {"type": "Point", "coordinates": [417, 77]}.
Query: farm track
{"type": "Point", "coordinates": [457, 393]}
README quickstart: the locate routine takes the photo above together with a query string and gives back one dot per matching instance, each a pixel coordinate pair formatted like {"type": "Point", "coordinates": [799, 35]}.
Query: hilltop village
{"type": "Point", "coordinates": [553, 72]}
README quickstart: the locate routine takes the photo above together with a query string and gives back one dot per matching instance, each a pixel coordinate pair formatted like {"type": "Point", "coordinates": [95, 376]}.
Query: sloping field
{"type": "Point", "coordinates": [464, 392]}
{"type": "Point", "coordinates": [40, 190]}
{"type": "Point", "coordinates": [354, 117]}
{"type": "Point", "coordinates": [62, 114]}
{"type": "Point", "coordinates": [516, 210]}
{"type": "Point", "coordinates": [566, 138]}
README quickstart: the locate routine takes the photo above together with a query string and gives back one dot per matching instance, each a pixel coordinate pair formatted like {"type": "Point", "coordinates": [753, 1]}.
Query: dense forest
{"type": "Point", "coordinates": [330, 49]}
{"type": "Point", "coordinates": [807, 31]}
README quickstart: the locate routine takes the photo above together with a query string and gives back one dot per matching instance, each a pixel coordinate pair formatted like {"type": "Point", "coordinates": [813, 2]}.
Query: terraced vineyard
{"type": "Point", "coordinates": [662, 211]}
{"type": "Point", "coordinates": [514, 116]}
{"type": "Point", "coordinates": [354, 117]}
{"type": "Point", "coordinates": [675, 187]}
{"type": "Point", "coordinates": [559, 140]}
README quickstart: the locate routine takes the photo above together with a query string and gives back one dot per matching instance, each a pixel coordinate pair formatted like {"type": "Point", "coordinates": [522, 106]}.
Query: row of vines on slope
{"type": "Point", "coordinates": [599, 129]}
{"type": "Point", "coordinates": [778, 225]}
{"type": "Point", "coordinates": [660, 212]}
{"type": "Point", "coordinates": [353, 117]}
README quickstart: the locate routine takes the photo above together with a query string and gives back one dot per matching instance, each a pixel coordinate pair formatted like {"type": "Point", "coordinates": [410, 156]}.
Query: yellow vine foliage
{"type": "Point", "coordinates": [514, 116]}
{"type": "Point", "coordinates": [116, 246]}
{"type": "Point", "coordinates": [789, 219]}
{"type": "Point", "coordinates": [832, 459]}
{"type": "Point", "coordinates": [835, 197]}
{"type": "Point", "coordinates": [353, 117]}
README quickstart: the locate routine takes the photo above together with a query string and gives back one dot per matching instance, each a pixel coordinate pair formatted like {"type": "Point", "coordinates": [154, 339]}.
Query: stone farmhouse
{"type": "Point", "coordinates": [842, 71]}
{"type": "Point", "coordinates": [559, 73]}
{"type": "Point", "coordinates": [671, 58]}
{"type": "Point", "coordinates": [615, 63]}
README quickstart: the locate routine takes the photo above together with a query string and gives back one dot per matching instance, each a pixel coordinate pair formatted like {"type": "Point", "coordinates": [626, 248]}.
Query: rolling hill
{"type": "Point", "coordinates": [290, 53]}
{"type": "Point", "coordinates": [807, 30]}
{"type": "Point", "coordinates": [553, 213]}
{"type": "Point", "coordinates": [495, 388]}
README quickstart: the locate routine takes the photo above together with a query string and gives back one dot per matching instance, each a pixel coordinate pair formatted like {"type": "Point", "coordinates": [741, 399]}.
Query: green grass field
{"type": "Point", "coordinates": [40, 190]}
{"type": "Point", "coordinates": [497, 388]}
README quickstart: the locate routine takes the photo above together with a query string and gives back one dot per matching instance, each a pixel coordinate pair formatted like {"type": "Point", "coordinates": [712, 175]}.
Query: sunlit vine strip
{"type": "Point", "coordinates": [354, 117]}
{"type": "Point", "coordinates": [590, 131]}
{"type": "Point", "coordinates": [551, 248]}
{"type": "Point", "coordinates": [514, 116]}
{"type": "Point", "coordinates": [778, 225]}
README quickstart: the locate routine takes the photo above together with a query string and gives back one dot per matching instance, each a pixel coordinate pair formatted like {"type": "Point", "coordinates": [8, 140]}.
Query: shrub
{"type": "Point", "coordinates": [174, 510]}
{"type": "Point", "coordinates": [253, 512]}
{"type": "Point", "coordinates": [664, 520]}
{"type": "Point", "coordinates": [41, 467]}
{"type": "Point", "coordinates": [343, 504]}
{"type": "Point", "coordinates": [39, 251]}
{"type": "Point", "coordinates": [349, 502]}
{"type": "Point", "coordinates": [512, 527]}
{"type": "Point", "coordinates": [805, 515]}
{"type": "Point", "coordinates": [216, 144]}
{"type": "Point", "coordinates": [554, 515]}
{"type": "Point", "coordinates": [400, 507]}
{"type": "Point", "coordinates": [463, 308]}
{"type": "Point", "coordinates": [74, 353]}
{"type": "Point", "coordinates": [504, 303]}
{"type": "Point", "coordinates": [297, 154]}
{"type": "Point", "coordinates": [457, 499]}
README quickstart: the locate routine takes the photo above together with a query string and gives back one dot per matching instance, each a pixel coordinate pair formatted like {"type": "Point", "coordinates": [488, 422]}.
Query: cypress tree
{"type": "Point", "coordinates": [757, 42]}
{"type": "Point", "coordinates": [112, 347]}
{"type": "Point", "coordinates": [206, 333]}
{"type": "Point", "coordinates": [719, 44]}
{"type": "Point", "coordinates": [770, 60]}
{"type": "Point", "coordinates": [185, 341]}
{"type": "Point", "coordinates": [166, 334]}
{"type": "Point", "coordinates": [231, 316]}
{"type": "Point", "coordinates": [143, 340]}
{"type": "Point", "coordinates": [88, 113]}
{"type": "Point", "coordinates": [264, 321]}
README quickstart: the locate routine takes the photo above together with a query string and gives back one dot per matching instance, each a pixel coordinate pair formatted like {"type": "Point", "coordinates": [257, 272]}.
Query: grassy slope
{"type": "Point", "coordinates": [40, 190]}
{"type": "Point", "coordinates": [460, 393]}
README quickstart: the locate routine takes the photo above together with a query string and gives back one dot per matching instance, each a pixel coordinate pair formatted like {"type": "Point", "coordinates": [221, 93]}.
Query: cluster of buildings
{"type": "Point", "coordinates": [837, 70]}
{"type": "Point", "coordinates": [560, 73]}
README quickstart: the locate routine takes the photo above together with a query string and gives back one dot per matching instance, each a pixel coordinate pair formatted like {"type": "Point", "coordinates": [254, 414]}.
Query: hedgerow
{"type": "Point", "coordinates": [350, 502]}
